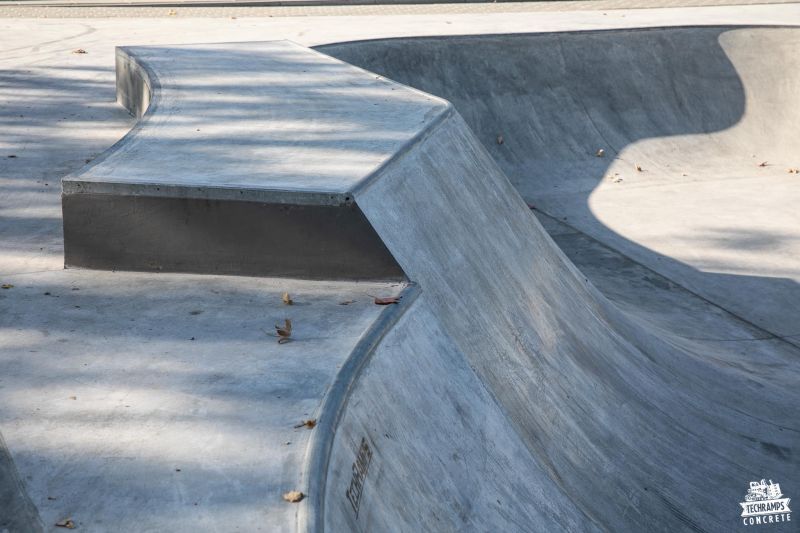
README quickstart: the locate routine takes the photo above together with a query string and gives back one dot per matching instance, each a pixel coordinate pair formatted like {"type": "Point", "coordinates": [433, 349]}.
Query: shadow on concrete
{"type": "Point", "coordinates": [683, 103]}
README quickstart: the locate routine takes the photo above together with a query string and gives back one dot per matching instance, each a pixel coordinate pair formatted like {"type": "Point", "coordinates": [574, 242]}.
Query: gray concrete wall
{"type": "Point", "coordinates": [637, 431]}
{"type": "Point", "coordinates": [697, 108]}
{"type": "Point", "coordinates": [443, 455]}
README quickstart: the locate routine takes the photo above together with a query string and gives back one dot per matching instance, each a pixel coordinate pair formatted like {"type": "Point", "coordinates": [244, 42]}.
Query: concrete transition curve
{"type": "Point", "coordinates": [507, 393]}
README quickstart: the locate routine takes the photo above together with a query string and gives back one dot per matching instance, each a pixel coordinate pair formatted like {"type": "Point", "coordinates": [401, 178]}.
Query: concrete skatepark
{"type": "Point", "coordinates": [581, 343]}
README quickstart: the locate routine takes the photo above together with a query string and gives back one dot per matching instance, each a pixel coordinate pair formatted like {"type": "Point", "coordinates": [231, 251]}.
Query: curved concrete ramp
{"type": "Point", "coordinates": [615, 426]}
{"type": "Point", "coordinates": [510, 395]}
{"type": "Point", "coordinates": [697, 109]}
{"type": "Point", "coordinates": [608, 422]}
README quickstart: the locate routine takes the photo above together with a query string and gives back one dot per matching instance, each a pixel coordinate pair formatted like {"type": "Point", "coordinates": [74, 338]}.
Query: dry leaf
{"type": "Point", "coordinates": [293, 496]}
{"type": "Point", "coordinates": [500, 139]}
{"type": "Point", "coordinates": [172, 13]}
{"type": "Point", "coordinates": [67, 523]}
{"type": "Point", "coordinates": [638, 168]}
{"type": "Point", "coordinates": [793, 170]}
{"type": "Point", "coordinates": [287, 299]}
{"type": "Point", "coordinates": [387, 301]}
{"type": "Point", "coordinates": [79, 51]}
{"type": "Point", "coordinates": [763, 164]}
{"type": "Point", "coordinates": [600, 153]}
{"type": "Point", "coordinates": [6, 286]}
{"type": "Point", "coordinates": [308, 424]}
{"type": "Point", "coordinates": [284, 332]}
{"type": "Point", "coordinates": [347, 302]}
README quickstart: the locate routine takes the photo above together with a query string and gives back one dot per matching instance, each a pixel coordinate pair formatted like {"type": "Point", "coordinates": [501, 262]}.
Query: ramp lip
{"type": "Point", "coordinates": [321, 47]}
{"type": "Point", "coordinates": [311, 516]}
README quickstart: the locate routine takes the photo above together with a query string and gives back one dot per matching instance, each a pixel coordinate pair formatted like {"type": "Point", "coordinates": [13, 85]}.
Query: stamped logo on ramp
{"type": "Point", "coordinates": [763, 504]}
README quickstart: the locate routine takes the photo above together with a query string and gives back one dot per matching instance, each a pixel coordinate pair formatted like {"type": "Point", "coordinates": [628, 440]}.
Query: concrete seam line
{"type": "Point", "coordinates": [310, 517]}
{"type": "Point", "coordinates": [14, 498]}
{"type": "Point", "coordinates": [417, 139]}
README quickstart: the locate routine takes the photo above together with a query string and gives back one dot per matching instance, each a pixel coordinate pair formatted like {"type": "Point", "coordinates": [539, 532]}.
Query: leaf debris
{"type": "Point", "coordinates": [793, 170]}
{"type": "Point", "coordinates": [389, 300]}
{"type": "Point", "coordinates": [500, 139]}
{"type": "Point", "coordinates": [67, 523]}
{"type": "Point", "coordinates": [284, 332]}
{"type": "Point", "coordinates": [6, 286]}
{"type": "Point", "coordinates": [600, 153]}
{"type": "Point", "coordinates": [308, 424]}
{"type": "Point", "coordinates": [287, 299]}
{"type": "Point", "coordinates": [293, 496]}
{"type": "Point", "coordinates": [763, 164]}
{"type": "Point", "coordinates": [347, 302]}
{"type": "Point", "coordinates": [79, 51]}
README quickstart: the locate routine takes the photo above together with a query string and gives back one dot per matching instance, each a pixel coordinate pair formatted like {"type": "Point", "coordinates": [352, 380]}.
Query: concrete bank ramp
{"type": "Point", "coordinates": [509, 394]}
{"type": "Point", "coordinates": [515, 397]}
{"type": "Point", "coordinates": [698, 109]}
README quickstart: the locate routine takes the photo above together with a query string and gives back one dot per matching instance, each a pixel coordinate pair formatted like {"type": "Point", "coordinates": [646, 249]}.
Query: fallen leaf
{"type": "Point", "coordinates": [308, 424]}
{"type": "Point", "coordinates": [79, 51]}
{"type": "Point", "coordinates": [286, 299]}
{"type": "Point", "coordinates": [293, 496]}
{"type": "Point", "coordinates": [763, 164]}
{"type": "Point", "coordinates": [73, 397]}
{"type": "Point", "coordinates": [172, 13]}
{"type": "Point", "coordinates": [638, 168]}
{"type": "Point", "coordinates": [347, 302]}
{"type": "Point", "coordinates": [12, 156]}
{"type": "Point", "coordinates": [793, 170]}
{"type": "Point", "coordinates": [284, 332]}
{"type": "Point", "coordinates": [387, 301]}
{"type": "Point", "coordinates": [6, 286]}
{"type": "Point", "coordinates": [600, 153]}
{"type": "Point", "coordinates": [67, 523]}
{"type": "Point", "coordinates": [500, 139]}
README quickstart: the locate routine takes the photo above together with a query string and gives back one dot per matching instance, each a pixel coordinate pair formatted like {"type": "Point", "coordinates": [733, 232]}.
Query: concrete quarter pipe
{"type": "Point", "coordinates": [508, 394]}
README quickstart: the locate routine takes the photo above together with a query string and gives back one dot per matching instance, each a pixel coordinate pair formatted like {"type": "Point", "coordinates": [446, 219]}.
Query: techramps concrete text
{"type": "Point", "coordinates": [505, 392]}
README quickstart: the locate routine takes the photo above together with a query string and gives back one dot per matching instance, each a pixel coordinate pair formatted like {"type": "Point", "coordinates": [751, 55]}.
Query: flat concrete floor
{"type": "Point", "coordinates": [57, 111]}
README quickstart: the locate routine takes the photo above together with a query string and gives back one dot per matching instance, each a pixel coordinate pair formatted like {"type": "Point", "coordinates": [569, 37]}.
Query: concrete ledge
{"type": "Point", "coordinates": [244, 161]}
{"type": "Point", "coordinates": [146, 233]}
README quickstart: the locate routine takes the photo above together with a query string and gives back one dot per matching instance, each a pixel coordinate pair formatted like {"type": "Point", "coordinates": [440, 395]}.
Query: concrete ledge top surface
{"type": "Point", "coordinates": [263, 121]}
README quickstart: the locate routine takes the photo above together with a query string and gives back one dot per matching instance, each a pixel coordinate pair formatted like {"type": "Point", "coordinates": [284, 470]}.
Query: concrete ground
{"type": "Point", "coordinates": [148, 362]}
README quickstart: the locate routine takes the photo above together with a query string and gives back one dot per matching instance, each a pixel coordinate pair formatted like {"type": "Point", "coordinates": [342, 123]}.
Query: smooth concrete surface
{"type": "Point", "coordinates": [143, 402]}
{"type": "Point", "coordinates": [630, 422]}
{"type": "Point", "coordinates": [271, 122]}
{"type": "Point", "coordinates": [697, 109]}
{"type": "Point", "coordinates": [664, 372]}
